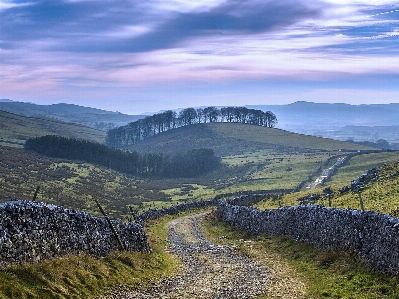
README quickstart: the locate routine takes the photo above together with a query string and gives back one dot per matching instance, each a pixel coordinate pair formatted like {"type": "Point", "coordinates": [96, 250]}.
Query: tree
{"type": "Point", "coordinates": [200, 115]}
{"type": "Point", "coordinates": [211, 114]}
{"type": "Point", "coordinates": [227, 113]}
{"type": "Point", "coordinates": [270, 119]}
{"type": "Point", "coordinates": [188, 116]}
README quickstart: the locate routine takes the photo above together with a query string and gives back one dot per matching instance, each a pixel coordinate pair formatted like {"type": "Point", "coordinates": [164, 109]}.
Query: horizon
{"type": "Point", "coordinates": [181, 108]}
{"type": "Point", "coordinates": [166, 55]}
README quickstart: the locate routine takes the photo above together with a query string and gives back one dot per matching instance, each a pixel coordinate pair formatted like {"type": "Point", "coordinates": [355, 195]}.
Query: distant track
{"type": "Point", "coordinates": [326, 173]}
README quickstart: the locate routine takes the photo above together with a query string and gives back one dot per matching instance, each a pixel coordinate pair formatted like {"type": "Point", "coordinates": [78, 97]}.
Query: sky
{"type": "Point", "coordinates": [147, 56]}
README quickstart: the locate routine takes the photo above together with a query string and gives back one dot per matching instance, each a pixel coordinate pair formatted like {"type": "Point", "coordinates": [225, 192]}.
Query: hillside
{"type": "Point", "coordinates": [16, 129]}
{"type": "Point", "coordinates": [70, 184]}
{"type": "Point", "coordinates": [380, 194]}
{"type": "Point", "coordinates": [228, 139]}
{"type": "Point", "coordinates": [91, 117]}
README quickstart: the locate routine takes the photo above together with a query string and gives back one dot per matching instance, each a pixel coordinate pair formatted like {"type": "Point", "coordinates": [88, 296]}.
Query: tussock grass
{"type": "Point", "coordinates": [300, 270]}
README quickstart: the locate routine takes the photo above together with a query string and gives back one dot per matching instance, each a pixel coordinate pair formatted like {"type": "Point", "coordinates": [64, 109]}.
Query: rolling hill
{"type": "Point", "coordinates": [90, 117]}
{"type": "Point", "coordinates": [228, 139]}
{"type": "Point", "coordinates": [16, 129]}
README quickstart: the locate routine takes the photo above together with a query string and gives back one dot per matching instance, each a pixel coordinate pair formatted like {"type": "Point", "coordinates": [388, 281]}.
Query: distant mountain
{"type": "Point", "coordinates": [329, 120]}
{"type": "Point", "coordinates": [16, 129]}
{"type": "Point", "coordinates": [91, 117]}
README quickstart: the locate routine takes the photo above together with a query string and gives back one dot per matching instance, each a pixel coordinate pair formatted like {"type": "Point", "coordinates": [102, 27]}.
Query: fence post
{"type": "Point", "coordinates": [120, 245]}
{"type": "Point", "coordinates": [361, 201]}
{"type": "Point", "coordinates": [36, 192]}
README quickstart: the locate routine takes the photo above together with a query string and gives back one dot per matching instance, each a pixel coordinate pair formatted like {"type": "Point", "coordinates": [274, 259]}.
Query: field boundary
{"type": "Point", "coordinates": [374, 236]}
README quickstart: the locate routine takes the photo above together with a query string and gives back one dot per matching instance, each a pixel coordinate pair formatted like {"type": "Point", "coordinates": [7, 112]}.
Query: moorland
{"type": "Point", "coordinates": [253, 158]}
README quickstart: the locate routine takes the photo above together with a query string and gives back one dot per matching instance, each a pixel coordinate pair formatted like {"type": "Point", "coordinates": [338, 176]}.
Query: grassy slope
{"type": "Point", "coordinates": [16, 129]}
{"type": "Point", "coordinates": [228, 139]}
{"type": "Point", "coordinates": [74, 184]}
{"type": "Point", "coordinates": [381, 196]}
{"type": "Point", "coordinates": [255, 158]}
{"type": "Point", "coordinates": [263, 166]}
{"type": "Point", "coordinates": [71, 184]}
{"type": "Point", "coordinates": [69, 113]}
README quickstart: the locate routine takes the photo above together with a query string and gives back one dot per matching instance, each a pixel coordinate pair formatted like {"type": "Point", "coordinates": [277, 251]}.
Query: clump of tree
{"type": "Point", "coordinates": [149, 126]}
{"type": "Point", "coordinates": [193, 163]}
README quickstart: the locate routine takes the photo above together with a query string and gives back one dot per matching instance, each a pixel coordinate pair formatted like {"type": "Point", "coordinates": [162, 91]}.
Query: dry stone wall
{"type": "Point", "coordinates": [33, 231]}
{"type": "Point", "coordinates": [153, 214]}
{"type": "Point", "coordinates": [375, 237]}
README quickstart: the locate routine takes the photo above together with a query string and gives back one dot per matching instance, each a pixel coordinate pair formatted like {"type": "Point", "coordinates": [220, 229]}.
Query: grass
{"type": "Point", "coordinates": [236, 139]}
{"type": "Point", "coordinates": [254, 158]}
{"type": "Point", "coordinates": [301, 271]}
{"type": "Point", "coordinates": [270, 170]}
{"type": "Point", "coordinates": [16, 129]}
{"type": "Point", "coordinates": [359, 164]}
{"type": "Point", "coordinates": [83, 276]}
{"type": "Point", "coordinates": [74, 184]}
{"type": "Point", "coordinates": [381, 196]}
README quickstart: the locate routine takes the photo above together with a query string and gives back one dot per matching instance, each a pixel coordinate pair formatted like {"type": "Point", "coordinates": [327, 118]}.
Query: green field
{"type": "Point", "coordinates": [381, 196]}
{"type": "Point", "coordinates": [253, 159]}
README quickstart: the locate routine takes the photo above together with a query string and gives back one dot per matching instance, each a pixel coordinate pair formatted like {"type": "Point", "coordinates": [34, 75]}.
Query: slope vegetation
{"type": "Point", "coordinates": [228, 139]}
{"type": "Point", "coordinates": [380, 194]}
{"type": "Point", "coordinates": [16, 129]}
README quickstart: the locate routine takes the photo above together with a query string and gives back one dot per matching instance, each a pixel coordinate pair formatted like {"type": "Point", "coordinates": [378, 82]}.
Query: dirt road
{"type": "Point", "coordinates": [211, 271]}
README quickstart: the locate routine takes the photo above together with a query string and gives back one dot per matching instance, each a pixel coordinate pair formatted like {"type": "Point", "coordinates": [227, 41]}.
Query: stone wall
{"type": "Point", "coordinates": [153, 214]}
{"type": "Point", "coordinates": [375, 237]}
{"type": "Point", "coordinates": [33, 231]}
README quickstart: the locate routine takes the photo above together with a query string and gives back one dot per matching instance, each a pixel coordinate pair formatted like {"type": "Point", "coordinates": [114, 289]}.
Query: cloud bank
{"type": "Point", "coordinates": [63, 49]}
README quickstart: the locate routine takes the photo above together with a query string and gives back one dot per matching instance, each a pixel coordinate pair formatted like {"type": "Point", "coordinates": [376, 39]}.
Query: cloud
{"type": "Point", "coordinates": [86, 25]}
{"type": "Point", "coordinates": [69, 46]}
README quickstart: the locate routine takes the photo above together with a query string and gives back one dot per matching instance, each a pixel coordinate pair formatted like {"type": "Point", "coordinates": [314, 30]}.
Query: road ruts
{"type": "Point", "coordinates": [210, 270]}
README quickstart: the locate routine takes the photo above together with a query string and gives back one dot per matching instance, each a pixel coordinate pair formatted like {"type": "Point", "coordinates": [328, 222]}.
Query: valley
{"type": "Point", "coordinates": [254, 159]}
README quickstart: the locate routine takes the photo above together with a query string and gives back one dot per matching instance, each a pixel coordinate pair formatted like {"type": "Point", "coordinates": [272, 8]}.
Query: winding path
{"type": "Point", "coordinates": [210, 270]}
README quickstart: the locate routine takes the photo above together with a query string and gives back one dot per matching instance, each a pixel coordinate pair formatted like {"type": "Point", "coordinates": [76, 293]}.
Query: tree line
{"type": "Point", "coordinates": [194, 162]}
{"type": "Point", "coordinates": [149, 126]}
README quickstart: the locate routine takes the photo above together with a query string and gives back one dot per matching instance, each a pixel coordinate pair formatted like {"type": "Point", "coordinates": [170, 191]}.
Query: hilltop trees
{"type": "Point", "coordinates": [158, 123]}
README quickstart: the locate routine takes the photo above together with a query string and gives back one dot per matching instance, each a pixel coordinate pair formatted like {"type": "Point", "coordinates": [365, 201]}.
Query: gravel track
{"type": "Point", "coordinates": [210, 270]}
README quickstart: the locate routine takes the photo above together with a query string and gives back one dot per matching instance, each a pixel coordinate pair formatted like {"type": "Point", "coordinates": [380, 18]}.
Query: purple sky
{"type": "Point", "coordinates": [147, 56]}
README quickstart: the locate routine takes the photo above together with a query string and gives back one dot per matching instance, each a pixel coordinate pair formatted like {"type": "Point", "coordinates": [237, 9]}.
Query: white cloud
{"type": "Point", "coordinates": [9, 4]}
